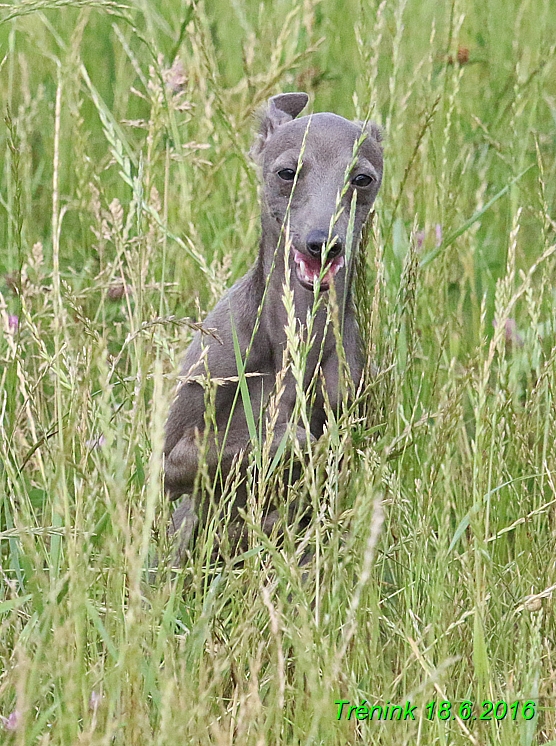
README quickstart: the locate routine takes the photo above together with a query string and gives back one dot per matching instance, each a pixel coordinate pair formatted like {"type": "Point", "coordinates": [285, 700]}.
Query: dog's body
{"type": "Point", "coordinates": [305, 214]}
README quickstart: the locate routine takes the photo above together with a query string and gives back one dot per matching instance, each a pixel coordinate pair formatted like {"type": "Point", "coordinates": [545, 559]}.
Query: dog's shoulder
{"type": "Point", "coordinates": [234, 315]}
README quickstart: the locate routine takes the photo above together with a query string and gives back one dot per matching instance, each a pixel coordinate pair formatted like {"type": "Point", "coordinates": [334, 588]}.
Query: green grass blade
{"type": "Point", "coordinates": [449, 240]}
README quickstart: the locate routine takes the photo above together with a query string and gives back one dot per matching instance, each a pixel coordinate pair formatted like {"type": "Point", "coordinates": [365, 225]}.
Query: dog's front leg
{"type": "Point", "coordinates": [341, 382]}
{"type": "Point", "coordinates": [285, 428]}
{"type": "Point", "coordinates": [284, 431]}
{"type": "Point", "coordinates": [182, 463]}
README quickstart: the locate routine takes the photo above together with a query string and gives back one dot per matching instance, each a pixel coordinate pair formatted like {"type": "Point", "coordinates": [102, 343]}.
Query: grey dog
{"type": "Point", "coordinates": [318, 173]}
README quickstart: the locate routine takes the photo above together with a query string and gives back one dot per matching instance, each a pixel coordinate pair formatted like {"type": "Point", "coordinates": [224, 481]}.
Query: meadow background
{"type": "Point", "coordinates": [127, 204]}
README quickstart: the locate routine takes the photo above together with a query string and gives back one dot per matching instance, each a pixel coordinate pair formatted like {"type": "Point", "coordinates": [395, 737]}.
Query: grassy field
{"type": "Point", "coordinates": [127, 205]}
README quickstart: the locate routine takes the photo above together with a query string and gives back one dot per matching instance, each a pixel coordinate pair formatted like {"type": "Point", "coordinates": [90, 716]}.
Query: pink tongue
{"type": "Point", "coordinates": [312, 264]}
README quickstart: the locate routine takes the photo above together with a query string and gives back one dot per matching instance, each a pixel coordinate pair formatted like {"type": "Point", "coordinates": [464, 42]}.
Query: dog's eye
{"type": "Point", "coordinates": [362, 180]}
{"type": "Point", "coordinates": [287, 174]}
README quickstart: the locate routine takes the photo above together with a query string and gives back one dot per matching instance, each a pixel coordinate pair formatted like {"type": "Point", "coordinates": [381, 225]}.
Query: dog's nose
{"type": "Point", "coordinates": [316, 241]}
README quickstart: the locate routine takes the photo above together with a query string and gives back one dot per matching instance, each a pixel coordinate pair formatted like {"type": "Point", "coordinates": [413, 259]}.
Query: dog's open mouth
{"type": "Point", "coordinates": [308, 269]}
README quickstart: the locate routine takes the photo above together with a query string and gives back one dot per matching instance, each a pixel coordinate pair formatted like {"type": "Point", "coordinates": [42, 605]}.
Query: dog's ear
{"type": "Point", "coordinates": [373, 131]}
{"type": "Point", "coordinates": [286, 106]}
{"type": "Point", "coordinates": [280, 109]}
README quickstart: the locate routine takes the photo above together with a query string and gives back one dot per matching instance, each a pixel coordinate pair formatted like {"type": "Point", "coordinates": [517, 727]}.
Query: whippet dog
{"type": "Point", "coordinates": [320, 176]}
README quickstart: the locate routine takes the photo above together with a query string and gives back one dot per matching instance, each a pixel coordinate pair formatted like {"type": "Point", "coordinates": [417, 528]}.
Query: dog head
{"type": "Point", "coordinates": [317, 171]}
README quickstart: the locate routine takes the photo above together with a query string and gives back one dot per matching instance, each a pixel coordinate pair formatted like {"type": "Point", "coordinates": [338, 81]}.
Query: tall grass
{"type": "Point", "coordinates": [128, 204]}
